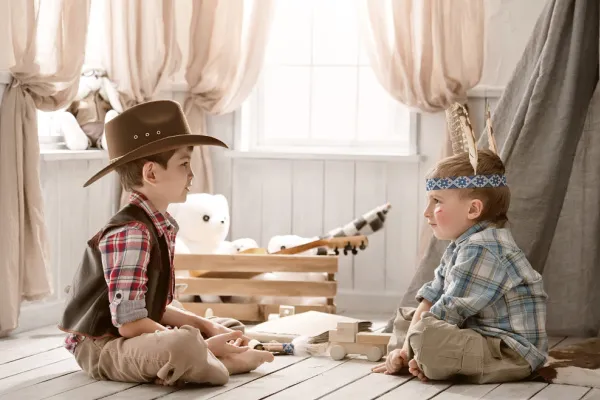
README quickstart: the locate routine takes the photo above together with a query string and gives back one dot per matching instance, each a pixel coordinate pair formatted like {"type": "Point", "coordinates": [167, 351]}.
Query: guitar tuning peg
{"type": "Point", "coordinates": [336, 251]}
{"type": "Point", "coordinates": [345, 251]}
{"type": "Point", "coordinates": [362, 246]}
{"type": "Point", "coordinates": [354, 251]}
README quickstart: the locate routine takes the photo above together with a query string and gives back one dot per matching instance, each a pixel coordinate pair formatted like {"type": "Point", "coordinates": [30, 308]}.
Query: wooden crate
{"type": "Point", "coordinates": [229, 275]}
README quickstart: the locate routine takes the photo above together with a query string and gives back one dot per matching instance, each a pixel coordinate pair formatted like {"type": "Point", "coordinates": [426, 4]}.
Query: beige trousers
{"type": "Point", "coordinates": [177, 355]}
{"type": "Point", "coordinates": [443, 351]}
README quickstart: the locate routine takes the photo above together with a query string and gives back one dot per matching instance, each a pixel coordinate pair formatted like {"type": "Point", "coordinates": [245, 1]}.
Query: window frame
{"type": "Point", "coordinates": [248, 136]}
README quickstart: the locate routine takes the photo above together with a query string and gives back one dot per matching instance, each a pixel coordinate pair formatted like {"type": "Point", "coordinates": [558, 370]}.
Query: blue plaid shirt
{"type": "Point", "coordinates": [486, 284]}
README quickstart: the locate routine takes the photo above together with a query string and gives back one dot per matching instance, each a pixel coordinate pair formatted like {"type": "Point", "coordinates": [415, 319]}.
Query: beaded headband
{"type": "Point", "coordinates": [466, 182]}
{"type": "Point", "coordinates": [463, 140]}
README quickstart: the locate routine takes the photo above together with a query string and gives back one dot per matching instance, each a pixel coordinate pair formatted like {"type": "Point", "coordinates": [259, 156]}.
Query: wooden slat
{"type": "Point", "coordinates": [37, 375]}
{"type": "Point", "coordinates": [245, 287]}
{"type": "Point", "coordinates": [93, 391]}
{"type": "Point", "coordinates": [249, 312]}
{"type": "Point", "coordinates": [33, 362]}
{"type": "Point", "coordinates": [515, 391]}
{"type": "Point", "coordinates": [416, 390]}
{"type": "Point", "coordinates": [466, 391]}
{"type": "Point", "coordinates": [51, 387]}
{"type": "Point", "coordinates": [241, 385]}
{"type": "Point", "coordinates": [327, 382]}
{"type": "Point", "coordinates": [593, 394]}
{"type": "Point", "coordinates": [561, 392]}
{"type": "Point", "coordinates": [32, 346]}
{"type": "Point", "coordinates": [369, 387]}
{"type": "Point", "coordinates": [256, 263]}
{"type": "Point", "coordinates": [283, 379]}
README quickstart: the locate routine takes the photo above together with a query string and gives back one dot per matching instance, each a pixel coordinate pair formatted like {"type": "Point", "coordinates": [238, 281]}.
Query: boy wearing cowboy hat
{"type": "Point", "coordinates": [118, 313]}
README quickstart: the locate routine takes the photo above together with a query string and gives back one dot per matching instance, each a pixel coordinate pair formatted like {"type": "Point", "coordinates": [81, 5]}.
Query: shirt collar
{"type": "Point", "coordinates": [163, 222]}
{"type": "Point", "coordinates": [478, 227]}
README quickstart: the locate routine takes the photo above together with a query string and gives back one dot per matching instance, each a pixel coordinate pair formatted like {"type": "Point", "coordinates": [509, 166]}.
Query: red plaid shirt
{"type": "Point", "coordinates": [125, 255]}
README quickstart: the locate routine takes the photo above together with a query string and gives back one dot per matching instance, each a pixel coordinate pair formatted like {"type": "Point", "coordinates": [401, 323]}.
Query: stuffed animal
{"type": "Point", "coordinates": [203, 226]}
{"type": "Point", "coordinates": [236, 246]}
{"type": "Point", "coordinates": [97, 102]}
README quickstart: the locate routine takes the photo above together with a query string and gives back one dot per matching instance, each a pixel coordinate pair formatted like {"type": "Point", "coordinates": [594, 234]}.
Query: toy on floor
{"type": "Point", "coordinates": [299, 346]}
{"type": "Point", "coordinates": [347, 340]}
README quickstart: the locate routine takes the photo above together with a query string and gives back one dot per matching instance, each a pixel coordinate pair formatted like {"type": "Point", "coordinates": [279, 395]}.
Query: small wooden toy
{"type": "Point", "coordinates": [347, 340]}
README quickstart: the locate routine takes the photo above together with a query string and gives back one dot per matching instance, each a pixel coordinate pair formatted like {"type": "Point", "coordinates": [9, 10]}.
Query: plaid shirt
{"type": "Point", "coordinates": [486, 284]}
{"type": "Point", "coordinates": [125, 255]}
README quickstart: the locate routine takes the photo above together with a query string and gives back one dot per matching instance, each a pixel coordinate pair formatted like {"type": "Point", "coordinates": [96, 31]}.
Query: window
{"type": "Point", "coordinates": [317, 91]}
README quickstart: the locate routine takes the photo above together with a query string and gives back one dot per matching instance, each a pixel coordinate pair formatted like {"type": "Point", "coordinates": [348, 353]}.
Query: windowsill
{"type": "Point", "coordinates": [64, 155]}
{"type": "Point", "coordinates": [324, 156]}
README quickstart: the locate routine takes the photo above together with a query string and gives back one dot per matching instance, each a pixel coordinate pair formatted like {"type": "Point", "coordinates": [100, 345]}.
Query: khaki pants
{"type": "Point", "coordinates": [177, 355]}
{"type": "Point", "coordinates": [444, 351]}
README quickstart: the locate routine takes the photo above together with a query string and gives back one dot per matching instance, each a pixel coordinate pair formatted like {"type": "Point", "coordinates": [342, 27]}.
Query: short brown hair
{"type": "Point", "coordinates": [130, 173]}
{"type": "Point", "coordinates": [496, 201]}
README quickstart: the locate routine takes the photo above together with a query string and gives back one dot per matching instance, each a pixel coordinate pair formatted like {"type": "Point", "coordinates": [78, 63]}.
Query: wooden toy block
{"type": "Point", "coordinates": [285, 311]}
{"type": "Point", "coordinates": [336, 335]}
{"type": "Point", "coordinates": [373, 338]}
{"type": "Point", "coordinates": [373, 352]}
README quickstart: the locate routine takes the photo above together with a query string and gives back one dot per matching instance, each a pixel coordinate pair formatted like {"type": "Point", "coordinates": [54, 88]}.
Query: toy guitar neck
{"type": "Point", "coordinates": [347, 243]}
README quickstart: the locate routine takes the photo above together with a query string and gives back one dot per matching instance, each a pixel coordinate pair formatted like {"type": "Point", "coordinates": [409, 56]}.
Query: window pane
{"type": "Point", "coordinates": [334, 103]}
{"type": "Point", "coordinates": [290, 37]}
{"type": "Point", "coordinates": [286, 102]}
{"type": "Point", "coordinates": [379, 115]}
{"type": "Point", "coordinates": [335, 37]}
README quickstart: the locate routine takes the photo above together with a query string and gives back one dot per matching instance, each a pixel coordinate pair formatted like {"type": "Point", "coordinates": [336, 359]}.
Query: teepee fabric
{"type": "Point", "coordinates": [547, 124]}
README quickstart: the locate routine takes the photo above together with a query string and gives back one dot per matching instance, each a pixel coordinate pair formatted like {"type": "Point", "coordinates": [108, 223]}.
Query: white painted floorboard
{"type": "Point", "coordinates": [35, 366]}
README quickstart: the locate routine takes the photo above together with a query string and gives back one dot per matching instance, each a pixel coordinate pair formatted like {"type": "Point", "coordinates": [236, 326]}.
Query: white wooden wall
{"type": "Point", "coordinates": [73, 215]}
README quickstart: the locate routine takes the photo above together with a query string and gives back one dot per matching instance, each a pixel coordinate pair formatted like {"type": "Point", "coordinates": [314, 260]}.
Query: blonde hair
{"type": "Point", "coordinates": [496, 201]}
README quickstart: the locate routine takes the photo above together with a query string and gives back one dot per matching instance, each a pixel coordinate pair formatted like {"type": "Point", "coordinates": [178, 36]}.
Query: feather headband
{"type": "Point", "coordinates": [463, 140]}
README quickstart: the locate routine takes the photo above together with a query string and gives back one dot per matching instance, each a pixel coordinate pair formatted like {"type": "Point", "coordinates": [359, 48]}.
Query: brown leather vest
{"type": "Point", "coordinates": [87, 310]}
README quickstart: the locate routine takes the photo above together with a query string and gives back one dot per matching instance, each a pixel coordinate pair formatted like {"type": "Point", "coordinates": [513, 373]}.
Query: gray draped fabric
{"type": "Point", "coordinates": [547, 124]}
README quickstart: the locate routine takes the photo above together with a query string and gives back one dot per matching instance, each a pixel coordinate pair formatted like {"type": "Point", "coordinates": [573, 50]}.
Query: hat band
{"type": "Point", "coordinates": [466, 182]}
{"type": "Point", "coordinates": [114, 160]}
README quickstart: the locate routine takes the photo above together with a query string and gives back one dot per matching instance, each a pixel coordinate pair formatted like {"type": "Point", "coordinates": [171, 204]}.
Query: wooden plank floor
{"type": "Point", "coordinates": [33, 365]}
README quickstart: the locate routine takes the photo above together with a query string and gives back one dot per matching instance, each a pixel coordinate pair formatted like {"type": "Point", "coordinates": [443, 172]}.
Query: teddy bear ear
{"type": "Point", "coordinates": [222, 199]}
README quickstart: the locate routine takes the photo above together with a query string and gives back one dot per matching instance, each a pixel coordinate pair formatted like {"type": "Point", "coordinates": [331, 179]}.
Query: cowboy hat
{"type": "Point", "coordinates": [146, 129]}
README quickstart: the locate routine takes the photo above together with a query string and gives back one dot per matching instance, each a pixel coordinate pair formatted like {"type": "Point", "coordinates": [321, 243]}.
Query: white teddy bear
{"type": "Point", "coordinates": [203, 227]}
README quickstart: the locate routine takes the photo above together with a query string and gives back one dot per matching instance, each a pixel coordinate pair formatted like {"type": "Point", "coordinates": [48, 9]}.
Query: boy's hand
{"type": "Point", "coordinates": [219, 344]}
{"type": "Point", "coordinates": [214, 329]}
{"type": "Point", "coordinates": [393, 363]}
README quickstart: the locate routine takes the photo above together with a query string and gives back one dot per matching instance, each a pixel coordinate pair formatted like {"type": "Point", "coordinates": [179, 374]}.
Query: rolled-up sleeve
{"type": "Point", "coordinates": [432, 291]}
{"type": "Point", "coordinates": [476, 280]}
{"type": "Point", "coordinates": [125, 256]}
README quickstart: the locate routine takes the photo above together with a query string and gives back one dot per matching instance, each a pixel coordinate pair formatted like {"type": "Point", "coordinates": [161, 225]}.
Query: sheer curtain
{"type": "Point", "coordinates": [425, 53]}
{"type": "Point", "coordinates": [45, 47]}
{"type": "Point", "coordinates": [227, 46]}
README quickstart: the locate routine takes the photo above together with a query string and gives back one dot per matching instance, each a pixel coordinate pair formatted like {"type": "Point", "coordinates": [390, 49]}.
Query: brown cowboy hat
{"type": "Point", "coordinates": [147, 129]}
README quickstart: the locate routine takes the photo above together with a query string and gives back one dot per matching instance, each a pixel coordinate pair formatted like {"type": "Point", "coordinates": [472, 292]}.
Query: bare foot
{"type": "Point", "coordinates": [161, 382]}
{"type": "Point", "coordinates": [249, 360]}
{"type": "Point", "coordinates": [414, 369]}
{"type": "Point", "coordinates": [394, 362]}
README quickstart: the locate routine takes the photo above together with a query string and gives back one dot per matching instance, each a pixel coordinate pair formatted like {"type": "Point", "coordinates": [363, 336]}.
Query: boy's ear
{"type": "Point", "coordinates": [148, 172]}
{"type": "Point", "coordinates": [475, 209]}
